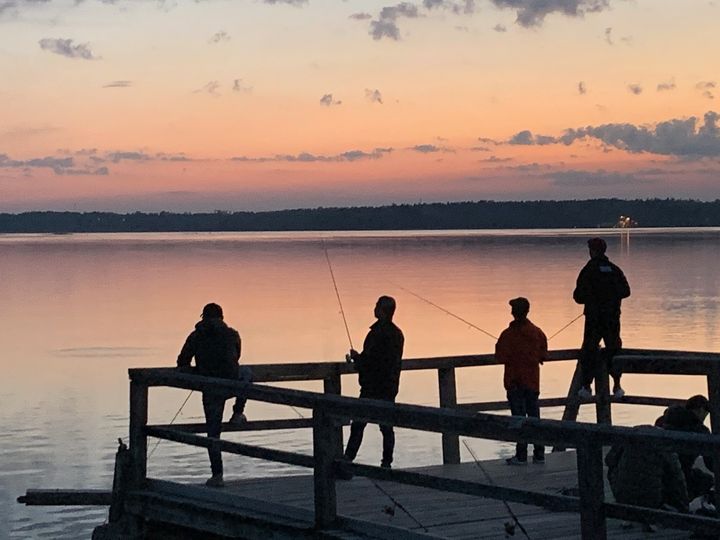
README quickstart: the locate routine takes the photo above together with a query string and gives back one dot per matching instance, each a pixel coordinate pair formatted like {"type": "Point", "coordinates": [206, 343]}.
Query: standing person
{"type": "Point", "coordinates": [216, 348]}
{"type": "Point", "coordinates": [601, 287]}
{"type": "Point", "coordinates": [378, 366]}
{"type": "Point", "coordinates": [521, 348]}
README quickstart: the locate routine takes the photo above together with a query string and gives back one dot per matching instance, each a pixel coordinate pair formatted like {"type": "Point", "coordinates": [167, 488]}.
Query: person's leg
{"type": "Point", "coordinates": [244, 375]}
{"type": "Point", "coordinates": [517, 408]}
{"type": "Point", "coordinates": [533, 411]}
{"type": "Point", "coordinates": [356, 436]}
{"type": "Point", "coordinates": [613, 343]}
{"type": "Point", "coordinates": [388, 436]}
{"type": "Point", "coordinates": [214, 407]}
{"type": "Point", "coordinates": [589, 352]}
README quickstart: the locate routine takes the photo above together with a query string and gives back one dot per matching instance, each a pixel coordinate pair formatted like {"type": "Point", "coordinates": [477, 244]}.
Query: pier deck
{"type": "Point", "coordinates": [441, 514]}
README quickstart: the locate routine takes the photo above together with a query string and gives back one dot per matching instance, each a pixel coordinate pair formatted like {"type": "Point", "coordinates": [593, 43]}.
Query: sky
{"type": "Point", "coordinates": [203, 105]}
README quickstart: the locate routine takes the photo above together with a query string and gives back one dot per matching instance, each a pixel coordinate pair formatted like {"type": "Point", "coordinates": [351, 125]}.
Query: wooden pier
{"type": "Point", "coordinates": [566, 498]}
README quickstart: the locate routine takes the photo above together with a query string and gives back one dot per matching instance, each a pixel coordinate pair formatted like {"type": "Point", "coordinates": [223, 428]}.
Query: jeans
{"type": "Point", "coordinates": [245, 375]}
{"type": "Point", "coordinates": [524, 402]}
{"type": "Point", "coordinates": [607, 329]}
{"type": "Point", "coordinates": [357, 429]}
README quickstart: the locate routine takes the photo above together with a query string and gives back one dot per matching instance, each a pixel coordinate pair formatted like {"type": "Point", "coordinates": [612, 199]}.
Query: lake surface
{"type": "Point", "coordinates": [79, 310]}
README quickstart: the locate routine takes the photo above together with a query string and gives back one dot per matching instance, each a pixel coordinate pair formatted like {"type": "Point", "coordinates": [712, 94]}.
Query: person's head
{"type": "Point", "coordinates": [596, 247]}
{"type": "Point", "coordinates": [212, 311]}
{"type": "Point", "coordinates": [675, 417]}
{"type": "Point", "coordinates": [385, 308]}
{"type": "Point", "coordinates": [519, 308]}
{"type": "Point", "coordinates": [699, 406]}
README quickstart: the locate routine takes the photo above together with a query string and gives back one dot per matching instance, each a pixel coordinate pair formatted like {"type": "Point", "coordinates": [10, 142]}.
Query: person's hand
{"type": "Point", "coordinates": [354, 355]}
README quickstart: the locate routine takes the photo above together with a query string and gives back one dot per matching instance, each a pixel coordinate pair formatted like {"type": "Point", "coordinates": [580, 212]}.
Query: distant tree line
{"type": "Point", "coordinates": [455, 215]}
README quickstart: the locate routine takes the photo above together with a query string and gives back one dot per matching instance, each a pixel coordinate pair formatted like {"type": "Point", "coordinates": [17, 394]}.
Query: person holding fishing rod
{"type": "Point", "coordinates": [378, 367]}
{"type": "Point", "coordinates": [216, 348]}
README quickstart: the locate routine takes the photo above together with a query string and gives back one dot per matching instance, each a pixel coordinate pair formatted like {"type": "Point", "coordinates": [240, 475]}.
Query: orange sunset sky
{"type": "Point", "coordinates": [198, 105]}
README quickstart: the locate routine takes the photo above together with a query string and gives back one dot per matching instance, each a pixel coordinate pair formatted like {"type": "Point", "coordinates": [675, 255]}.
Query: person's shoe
{"type": "Point", "coordinates": [237, 418]}
{"type": "Point", "coordinates": [618, 392]}
{"type": "Point", "coordinates": [385, 464]}
{"type": "Point", "coordinates": [215, 481]}
{"type": "Point", "coordinates": [539, 460]}
{"type": "Point", "coordinates": [585, 393]}
{"type": "Point", "coordinates": [515, 461]}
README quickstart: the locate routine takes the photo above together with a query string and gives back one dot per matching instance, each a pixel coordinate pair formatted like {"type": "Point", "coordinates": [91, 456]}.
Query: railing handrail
{"type": "Point", "coordinates": [440, 420]}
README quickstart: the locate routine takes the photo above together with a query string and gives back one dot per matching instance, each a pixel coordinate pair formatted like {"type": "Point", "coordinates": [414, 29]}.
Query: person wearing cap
{"type": "Point", "coordinates": [690, 418]}
{"type": "Point", "coordinates": [216, 348]}
{"type": "Point", "coordinates": [521, 348]}
{"type": "Point", "coordinates": [378, 366]}
{"type": "Point", "coordinates": [601, 287]}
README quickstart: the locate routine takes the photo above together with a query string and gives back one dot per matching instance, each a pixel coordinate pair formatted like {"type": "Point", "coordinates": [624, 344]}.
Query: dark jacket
{"type": "Point", "coordinates": [601, 286]}
{"type": "Point", "coordinates": [379, 363]}
{"type": "Point", "coordinates": [522, 347]}
{"type": "Point", "coordinates": [644, 477]}
{"type": "Point", "coordinates": [681, 419]}
{"type": "Point", "coordinates": [216, 348]}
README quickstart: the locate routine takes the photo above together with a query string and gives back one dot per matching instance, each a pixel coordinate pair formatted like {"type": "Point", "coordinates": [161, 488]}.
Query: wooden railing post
{"type": "Point", "coordinates": [138, 438]}
{"type": "Point", "coordinates": [325, 453]}
{"type": "Point", "coordinates": [713, 384]}
{"type": "Point", "coordinates": [592, 492]}
{"type": "Point", "coordinates": [448, 399]}
{"type": "Point", "coordinates": [602, 392]}
{"type": "Point", "coordinates": [333, 385]}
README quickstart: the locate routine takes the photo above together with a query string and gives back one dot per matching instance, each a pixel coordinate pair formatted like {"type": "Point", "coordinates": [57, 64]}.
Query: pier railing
{"type": "Point", "coordinates": [452, 420]}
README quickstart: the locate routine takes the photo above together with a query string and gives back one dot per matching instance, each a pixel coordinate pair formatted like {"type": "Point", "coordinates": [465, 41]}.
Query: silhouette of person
{"type": "Point", "coordinates": [378, 366]}
{"type": "Point", "coordinates": [522, 347]}
{"type": "Point", "coordinates": [216, 348]}
{"type": "Point", "coordinates": [601, 287]}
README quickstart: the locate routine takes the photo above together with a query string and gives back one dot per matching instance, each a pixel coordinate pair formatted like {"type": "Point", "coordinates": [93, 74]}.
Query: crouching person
{"type": "Point", "coordinates": [641, 476]}
{"type": "Point", "coordinates": [522, 347]}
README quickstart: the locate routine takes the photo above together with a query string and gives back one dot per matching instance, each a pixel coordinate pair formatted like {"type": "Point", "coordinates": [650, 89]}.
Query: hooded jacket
{"type": "Point", "coordinates": [216, 348]}
{"type": "Point", "coordinates": [601, 286]}
{"type": "Point", "coordinates": [380, 362]}
{"type": "Point", "coordinates": [522, 347]}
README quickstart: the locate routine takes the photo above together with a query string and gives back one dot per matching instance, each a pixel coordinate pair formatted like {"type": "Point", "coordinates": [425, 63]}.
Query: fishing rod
{"type": "Point", "coordinates": [509, 528]}
{"type": "Point", "coordinates": [337, 294]}
{"type": "Point", "coordinates": [171, 422]}
{"type": "Point", "coordinates": [566, 326]}
{"type": "Point", "coordinates": [447, 312]}
{"type": "Point", "coordinates": [396, 503]}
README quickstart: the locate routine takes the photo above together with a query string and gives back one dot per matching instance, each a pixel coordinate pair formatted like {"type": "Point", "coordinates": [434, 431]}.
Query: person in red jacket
{"type": "Point", "coordinates": [522, 347]}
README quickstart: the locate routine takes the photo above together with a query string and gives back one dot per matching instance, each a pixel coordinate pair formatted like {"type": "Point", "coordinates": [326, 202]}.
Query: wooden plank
{"type": "Point", "coordinates": [325, 452]}
{"type": "Point", "coordinates": [281, 456]}
{"type": "Point", "coordinates": [66, 497]}
{"type": "Point", "coordinates": [252, 425]}
{"type": "Point", "coordinates": [333, 385]}
{"type": "Point", "coordinates": [713, 385]}
{"type": "Point", "coordinates": [666, 364]}
{"type": "Point", "coordinates": [138, 438]}
{"type": "Point", "coordinates": [447, 389]}
{"type": "Point", "coordinates": [486, 406]}
{"type": "Point", "coordinates": [668, 519]}
{"type": "Point", "coordinates": [602, 392]}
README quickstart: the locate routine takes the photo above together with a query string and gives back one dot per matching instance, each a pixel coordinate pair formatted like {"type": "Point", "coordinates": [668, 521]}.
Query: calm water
{"type": "Point", "coordinates": [78, 310]}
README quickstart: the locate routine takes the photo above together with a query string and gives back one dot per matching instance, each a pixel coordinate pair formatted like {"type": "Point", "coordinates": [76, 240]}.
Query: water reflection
{"type": "Point", "coordinates": [78, 310]}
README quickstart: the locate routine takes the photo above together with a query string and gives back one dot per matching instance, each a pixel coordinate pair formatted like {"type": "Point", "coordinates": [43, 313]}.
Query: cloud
{"type": "Point", "coordinates": [100, 171]}
{"type": "Point", "coordinates": [666, 86]}
{"type": "Point", "coordinates": [219, 37]}
{"type": "Point", "coordinates": [116, 157]}
{"type": "Point", "coordinates": [526, 138]}
{"type": "Point", "coordinates": [66, 47]}
{"type": "Point", "coordinates": [307, 157]}
{"type": "Point", "coordinates": [582, 89]}
{"type": "Point", "coordinates": [373, 96]}
{"type": "Point", "coordinates": [428, 148]}
{"type": "Point", "coordinates": [706, 88]}
{"type": "Point", "coordinates": [327, 101]}
{"type": "Point", "coordinates": [532, 13]}
{"type": "Point", "coordinates": [598, 178]}
{"type": "Point", "coordinates": [608, 36]}
{"type": "Point", "coordinates": [48, 162]}
{"type": "Point", "coordinates": [385, 26]}
{"type": "Point", "coordinates": [118, 84]}
{"type": "Point", "coordinates": [209, 88]}
{"type": "Point", "coordinates": [495, 159]}
{"type": "Point", "coordinates": [240, 87]}
{"type": "Point", "coordinates": [360, 16]}
{"type": "Point", "coordinates": [635, 89]}
{"type": "Point", "coordinates": [500, 28]}
{"type": "Point", "coordinates": [297, 3]}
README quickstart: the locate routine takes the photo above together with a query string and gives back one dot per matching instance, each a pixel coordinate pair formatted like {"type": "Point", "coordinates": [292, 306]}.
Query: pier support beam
{"type": "Point", "coordinates": [592, 491]}
{"type": "Point", "coordinates": [325, 447]}
{"type": "Point", "coordinates": [448, 398]}
{"type": "Point", "coordinates": [138, 438]}
{"type": "Point", "coordinates": [333, 385]}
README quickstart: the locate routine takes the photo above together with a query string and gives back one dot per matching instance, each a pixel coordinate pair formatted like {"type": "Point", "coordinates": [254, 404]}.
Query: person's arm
{"type": "Point", "coordinates": [502, 349]}
{"type": "Point", "coordinates": [188, 351]}
{"type": "Point", "coordinates": [543, 347]}
{"type": "Point", "coordinates": [582, 287]}
{"type": "Point", "coordinates": [623, 287]}
{"type": "Point", "coordinates": [674, 487]}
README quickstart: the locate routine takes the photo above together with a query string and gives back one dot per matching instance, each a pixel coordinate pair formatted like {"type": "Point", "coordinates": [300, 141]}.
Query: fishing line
{"type": "Point", "coordinates": [492, 482]}
{"type": "Point", "coordinates": [566, 326]}
{"type": "Point", "coordinates": [337, 294]}
{"type": "Point", "coordinates": [171, 422]}
{"type": "Point", "coordinates": [458, 317]}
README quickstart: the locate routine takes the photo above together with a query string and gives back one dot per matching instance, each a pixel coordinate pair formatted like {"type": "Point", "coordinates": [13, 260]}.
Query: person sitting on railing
{"type": "Point", "coordinates": [690, 418]}
{"type": "Point", "coordinates": [641, 476]}
{"type": "Point", "coordinates": [379, 367]}
{"type": "Point", "coordinates": [216, 348]}
{"type": "Point", "coordinates": [522, 347]}
{"type": "Point", "coordinates": [601, 287]}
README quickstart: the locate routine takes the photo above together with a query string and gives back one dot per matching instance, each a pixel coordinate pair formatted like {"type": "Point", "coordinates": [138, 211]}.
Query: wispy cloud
{"type": "Point", "coordinates": [582, 89]}
{"type": "Point", "coordinates": [706, 89]}
{"type": "Point", "coordinates": [532, 13]}
{"type": "Point", "coordinates": [666, 86]}
{"type": "Point", "coordinates": [67, 48]}
{"type": "Point", "coordinates": [597, 178]}
{"type": "Point", "coordinates": [239, 86]}
{"type": "Point", "coordinates": [500, 28]}
{"type": "Point", "coordinates": [328, 101]}
{"type": "Point", "coordinates": [635, 89]}
{"type": "Point", "coordinates": [210, 88]}
{"type": "Point", "coordinates": [219, 37]}
{"type": "Point", "coordinates": [307, 157]}
{"type": "Point", "coordinates": [362, 16]}
{"type": "Point", "coordinates": [118, 84]}
{"type": "Point", "coordinates": [373, 96]}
